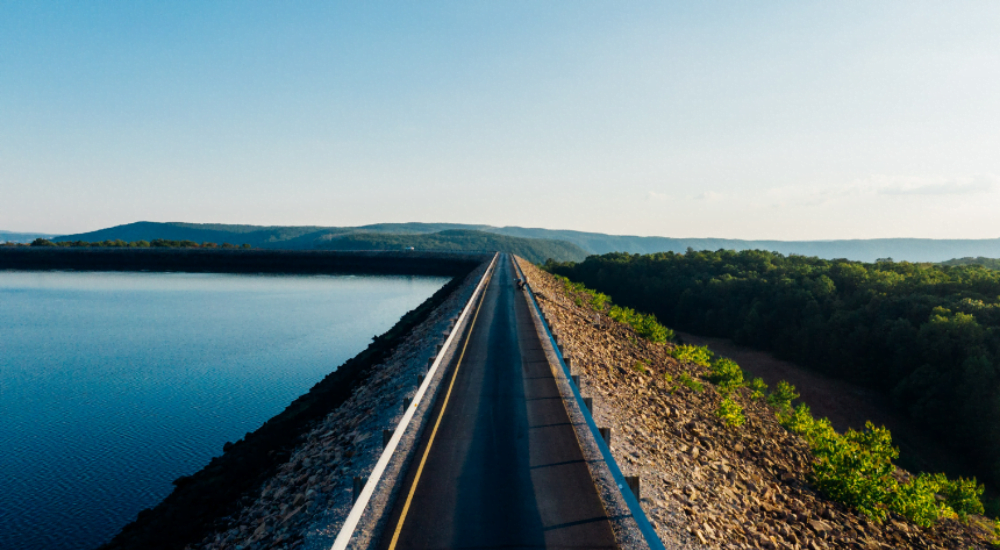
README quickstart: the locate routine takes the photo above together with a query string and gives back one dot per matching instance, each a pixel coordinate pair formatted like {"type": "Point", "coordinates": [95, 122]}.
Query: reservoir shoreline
{"type": "Point", "coordinates": [194, 260]}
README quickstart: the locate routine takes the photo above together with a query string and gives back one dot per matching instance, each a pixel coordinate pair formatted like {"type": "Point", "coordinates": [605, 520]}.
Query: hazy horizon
{"type": "Point", "coordinates": [680, 237]}
{"type": "Point", "coordinates": [787, 121]}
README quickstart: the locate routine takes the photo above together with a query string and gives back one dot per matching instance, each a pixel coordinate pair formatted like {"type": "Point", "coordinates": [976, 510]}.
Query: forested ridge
{"type": "Point", "coordinates": [457, 240]}
{"type": "Point", "coordinates": [927, 335]}
{"type": "Point", "coordinates": [992, 263]}
{"type": "Point", "coordinates": [581, 243]}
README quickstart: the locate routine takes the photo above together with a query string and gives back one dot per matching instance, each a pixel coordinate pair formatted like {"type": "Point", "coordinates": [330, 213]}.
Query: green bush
{"type": "Point", "coordinates": [800, 420]}
{"type": "Point", "coordinates": [917, 500]}
{"type": "Point", "coordinates": [644, 325]}
{"type": "Point", "coordinates": [696, 355]}
{"type": "Point", "coordinates": [782, 396]}
{"type": "Point", "coordinates": [963, 496]}
{"type": "Point", "coordinates": [726, 374]}
{"type": "Point", "coordinates": [758, 388]}
{"type": "Point", "coordinates": [856, 469]}
{"type": "Point", "coordinates": [730, 413]}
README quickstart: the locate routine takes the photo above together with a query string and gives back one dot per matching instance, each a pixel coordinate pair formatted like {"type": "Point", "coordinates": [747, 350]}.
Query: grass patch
{"type": "Point", "coordinates": [640, 366]}
{"type": "Point", "coordinates": [691, 383]}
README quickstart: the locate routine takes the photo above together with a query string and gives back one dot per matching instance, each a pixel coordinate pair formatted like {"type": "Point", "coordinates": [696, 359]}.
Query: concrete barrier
{"type": "Point", "coordinates": [630, 496]}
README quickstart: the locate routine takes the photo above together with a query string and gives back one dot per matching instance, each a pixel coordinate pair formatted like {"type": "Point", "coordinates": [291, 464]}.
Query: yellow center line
{"type": "Point", "coordinates": [437, 423]}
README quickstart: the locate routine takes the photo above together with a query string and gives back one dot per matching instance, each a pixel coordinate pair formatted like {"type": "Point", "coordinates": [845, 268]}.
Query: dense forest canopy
{"type": "Point", "coordinates": [927, 335]}
{"type": "Point", "coordinates": [992, 263]}
{"type": "Point", "coordinates": [536, 250]}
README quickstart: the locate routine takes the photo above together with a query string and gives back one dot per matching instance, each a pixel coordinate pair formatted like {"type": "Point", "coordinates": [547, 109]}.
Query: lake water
{"type": "Point", "coordinates": [112, 385]}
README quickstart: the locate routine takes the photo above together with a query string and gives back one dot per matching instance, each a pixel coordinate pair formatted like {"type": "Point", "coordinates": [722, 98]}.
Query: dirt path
{"type": "Point", "coordinates": [846, 405]}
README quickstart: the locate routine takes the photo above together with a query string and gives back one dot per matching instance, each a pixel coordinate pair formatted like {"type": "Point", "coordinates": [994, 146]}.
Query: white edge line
{"type": "Point", "coordinates": [638, 514]}
{"type": "Point", "coordinates": [351, 523]}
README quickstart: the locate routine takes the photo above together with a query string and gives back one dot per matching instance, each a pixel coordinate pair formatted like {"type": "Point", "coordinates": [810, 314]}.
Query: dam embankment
{"type": "Point", "coordinates": [706, 483]}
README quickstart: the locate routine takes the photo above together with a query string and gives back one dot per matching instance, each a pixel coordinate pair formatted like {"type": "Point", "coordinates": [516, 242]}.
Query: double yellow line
{"type": "Point", "coordinates": [437, 423]}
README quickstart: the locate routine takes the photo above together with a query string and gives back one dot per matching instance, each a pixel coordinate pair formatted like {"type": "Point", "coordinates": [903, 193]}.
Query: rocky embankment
{"type": "Point", "coordinates": [706, 485]}
{"type": "Point", "coordinates": [307, 499]}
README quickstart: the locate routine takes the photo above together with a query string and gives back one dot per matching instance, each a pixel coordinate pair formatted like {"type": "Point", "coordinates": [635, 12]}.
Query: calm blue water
{"type": "Point", "coordinates": [114, 384]}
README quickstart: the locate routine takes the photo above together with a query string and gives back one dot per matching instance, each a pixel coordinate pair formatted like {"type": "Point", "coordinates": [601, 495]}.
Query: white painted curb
{"type": "Point", "coordinates": [351, 523]}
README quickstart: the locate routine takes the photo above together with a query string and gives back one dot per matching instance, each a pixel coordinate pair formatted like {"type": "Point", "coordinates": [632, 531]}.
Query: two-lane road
{"type": "Point", "coordinates": [499, 465]}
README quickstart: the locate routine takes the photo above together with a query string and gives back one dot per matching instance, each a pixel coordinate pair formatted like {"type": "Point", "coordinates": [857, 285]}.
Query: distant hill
{"type": "Point", "coordinates": [864, 250]}
{"type": "Point", "coordinates": [534, 250]}
{"type": "Point", "coordinates": [991, 263]}
{"type": "Point", "coordinates": [304, 237]}
{"type": "Point", "coordinates": [374, 237]}
{"type": "Point", "coordinates": [15, 237]}
{"type": "Point", "coordinates": [255, 235]}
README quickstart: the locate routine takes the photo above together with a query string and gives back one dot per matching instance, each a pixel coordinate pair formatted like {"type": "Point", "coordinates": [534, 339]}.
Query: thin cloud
{"type": "Point", "coordinates": [981, 184]}
{"type": "Point", "coordinates": [712, 196]}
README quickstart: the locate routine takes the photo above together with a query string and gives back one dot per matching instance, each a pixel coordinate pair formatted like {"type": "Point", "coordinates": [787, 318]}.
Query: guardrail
{"type": "Point", "coordinates": [638, 514]}
{"type": "Point", "coordinates": [351, 523]}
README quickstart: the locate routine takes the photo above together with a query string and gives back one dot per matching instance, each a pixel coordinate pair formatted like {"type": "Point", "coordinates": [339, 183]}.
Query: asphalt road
{"type": "Point", "coordinates": [504, 468]}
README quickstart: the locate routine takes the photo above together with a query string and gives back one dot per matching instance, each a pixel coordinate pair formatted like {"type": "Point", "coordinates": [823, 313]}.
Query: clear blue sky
{"type": "Point", "coordinates": [785, 120]}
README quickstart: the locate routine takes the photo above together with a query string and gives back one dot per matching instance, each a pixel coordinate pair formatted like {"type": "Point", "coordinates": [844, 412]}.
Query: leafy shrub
{"type": "Point", "coordinates": [730, 413]}
{"type": "Point", "coordinates": [726, 374]}
{"type": "Point", "coordinates": [917, 500]}
{"type": "Point", "coordinates": [856, 469]}
{"type": "Point", "coordinates": [644, 325]}
{"type": "Point", "coordinates": [758, 388]}
{"type": "Point", "coordinates": [691, 383]}
{"type": "Point", "coordinates": [963, 496]}
{"type": "Point", "coordinates": [696, 355]}
{"type": "Point", "coordinates": [782, 396]}
{"type": "Point", "coordinates": [799, 420]}
{"type": "Point", "coordinates": [598, 300]}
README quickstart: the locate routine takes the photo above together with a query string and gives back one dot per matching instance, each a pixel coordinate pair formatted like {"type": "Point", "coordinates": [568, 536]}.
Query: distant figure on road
{"type": "Point", "coordinates": [518, 284]}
